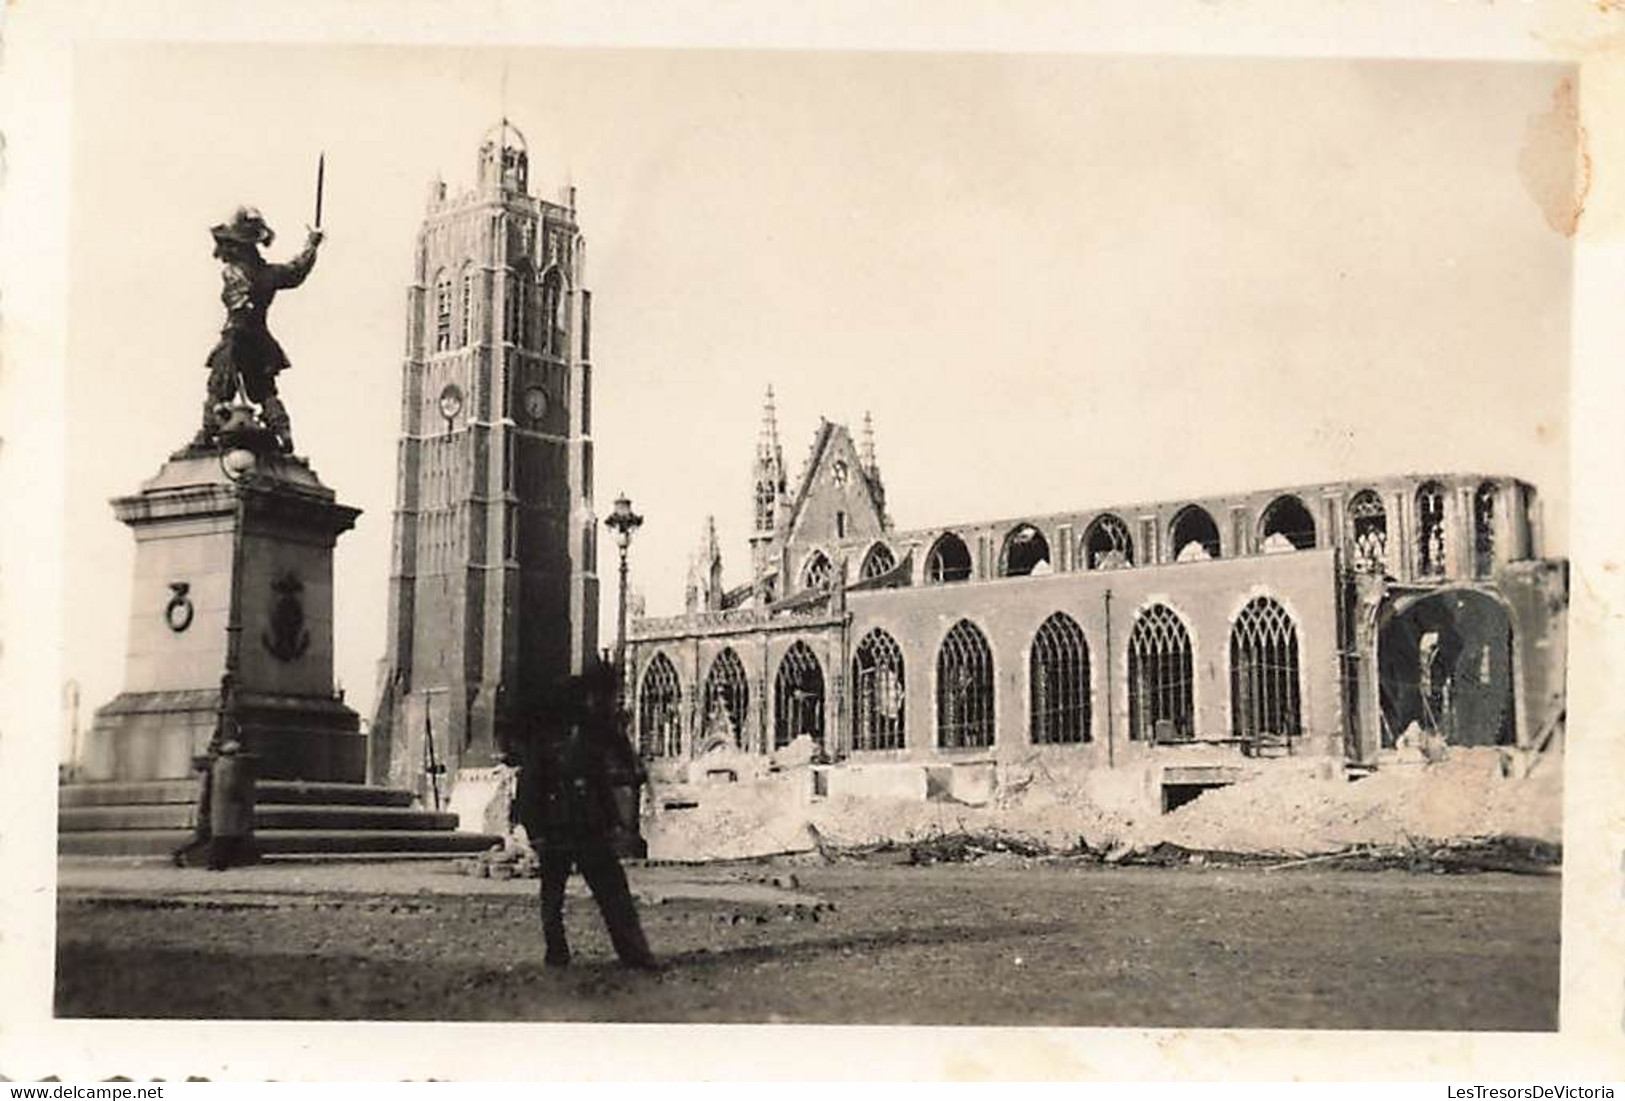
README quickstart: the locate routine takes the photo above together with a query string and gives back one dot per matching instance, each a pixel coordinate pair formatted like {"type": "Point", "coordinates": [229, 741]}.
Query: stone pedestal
{"type": "Point", "coordinates": [230, 575]}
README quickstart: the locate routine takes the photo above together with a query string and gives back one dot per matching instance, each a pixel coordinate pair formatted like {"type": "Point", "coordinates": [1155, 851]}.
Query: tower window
{"type": "Point", "coordinates": [442, 315]}
{"type": "Point", "coordinates": [466, 316]}
{"type": "Point", "coordinates": [765, 500]}
{"type": "Point", "coordinates": [840, 525]}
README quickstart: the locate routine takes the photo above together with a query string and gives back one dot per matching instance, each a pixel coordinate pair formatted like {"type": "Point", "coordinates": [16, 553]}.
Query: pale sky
{"type": "Point", "coordinates": [1056, 281]}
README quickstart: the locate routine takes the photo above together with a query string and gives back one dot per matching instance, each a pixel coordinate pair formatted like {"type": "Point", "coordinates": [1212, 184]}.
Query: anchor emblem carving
{"type": "Point", "coordinates": [287, 639]}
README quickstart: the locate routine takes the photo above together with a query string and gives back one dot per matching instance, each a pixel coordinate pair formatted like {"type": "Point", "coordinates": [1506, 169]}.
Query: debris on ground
{"type": "Point", "coordinates": [1469, 808]}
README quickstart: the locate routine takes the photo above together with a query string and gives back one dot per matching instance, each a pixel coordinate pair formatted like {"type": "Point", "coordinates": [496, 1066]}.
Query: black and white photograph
{"type": "Point", "coordinates": [820, 533]}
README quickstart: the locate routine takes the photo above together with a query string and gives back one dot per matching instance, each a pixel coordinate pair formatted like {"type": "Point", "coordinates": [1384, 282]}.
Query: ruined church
{"type": "Point", "coordinates": [1193, 641]}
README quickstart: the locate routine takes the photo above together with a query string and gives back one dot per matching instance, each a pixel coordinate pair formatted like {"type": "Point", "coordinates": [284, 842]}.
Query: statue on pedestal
{"type": "Point", "coordinates": [248, 358]}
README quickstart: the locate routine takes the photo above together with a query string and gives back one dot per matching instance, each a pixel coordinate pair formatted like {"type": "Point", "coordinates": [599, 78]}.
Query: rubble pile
{"type": "Point", "coordinates": [1465, 794]}
{"type": "Point", "coordinates": [1288, 809]}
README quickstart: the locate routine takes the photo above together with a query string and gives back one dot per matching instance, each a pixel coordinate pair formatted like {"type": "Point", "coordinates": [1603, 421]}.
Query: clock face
{"type": "Point", "coordinates": [535, 403]}
{"type": "Point", "coordinates": [451, 401]}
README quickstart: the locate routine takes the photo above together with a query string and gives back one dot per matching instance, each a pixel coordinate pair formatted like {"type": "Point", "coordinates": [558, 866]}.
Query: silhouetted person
{"type": "Point", "coordinates": [567, 805]}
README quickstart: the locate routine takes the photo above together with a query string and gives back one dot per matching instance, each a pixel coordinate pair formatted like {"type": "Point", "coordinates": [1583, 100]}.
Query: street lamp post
{"type": "Point", "coordinates": [623, 522]}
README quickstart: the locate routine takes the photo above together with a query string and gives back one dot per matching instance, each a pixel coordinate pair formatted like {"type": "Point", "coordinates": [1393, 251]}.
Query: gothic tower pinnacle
{"type": "Point", "coordinates": [871, 466]}
{"type": "Point", "coordinates": [769, 490]}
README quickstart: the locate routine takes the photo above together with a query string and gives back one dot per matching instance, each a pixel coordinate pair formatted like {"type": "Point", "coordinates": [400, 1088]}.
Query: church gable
{"type": "Point", "coordinates": [834, 502]}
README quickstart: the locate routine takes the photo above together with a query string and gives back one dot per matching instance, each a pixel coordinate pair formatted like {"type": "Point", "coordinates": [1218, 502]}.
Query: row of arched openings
{"type": "Point", "coordinates": [1266, 700]}
{"type": "Point", "coordinates": [1286, 525]}
{"type": "Point", "coordinates": [798, 703]}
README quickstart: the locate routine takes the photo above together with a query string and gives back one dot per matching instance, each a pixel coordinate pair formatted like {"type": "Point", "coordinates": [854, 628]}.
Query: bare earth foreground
{"type": "Point", "coordinates": [870, 943]}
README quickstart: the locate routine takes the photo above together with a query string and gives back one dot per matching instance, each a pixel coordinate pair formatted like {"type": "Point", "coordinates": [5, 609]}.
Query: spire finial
{"type": "Point", "coordinates": [866, 443]}
{"type": "Point", "coordinates": [767, 441]}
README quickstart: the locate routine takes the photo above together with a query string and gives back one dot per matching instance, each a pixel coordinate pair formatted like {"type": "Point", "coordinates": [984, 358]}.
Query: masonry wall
{"type": "Point", "coordinates": [1207, 595]}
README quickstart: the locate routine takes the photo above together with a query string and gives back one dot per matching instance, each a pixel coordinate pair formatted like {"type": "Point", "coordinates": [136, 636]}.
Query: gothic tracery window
{"type": "Point", "coordinates": [660, 702]}
{"type": "Point", "coordinates": [727, 698]}
{"type": "Point", "coordinates": [1160, 677]}
{"type": "Point", "coordinates": [1369, 520]}
{"type": "Point", "coordinates": [965, 689]}
{"type": "Point", "coordinates": [798, 697]}
{"type": "Point", "coordinates": [818, 573]}
{"type": "Point", "coordinates": [880, 560]}
{"type": "Point", "coordinates": [1058, 678]}
{"type": "Point", "coordinates": [1264, 687]}
{"type": "Point", "coordinates": [877, 679]}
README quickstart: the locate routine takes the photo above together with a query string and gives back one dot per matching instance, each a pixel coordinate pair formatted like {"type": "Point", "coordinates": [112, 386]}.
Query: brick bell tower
{"type": "Point", "coordinates": [493, 577]}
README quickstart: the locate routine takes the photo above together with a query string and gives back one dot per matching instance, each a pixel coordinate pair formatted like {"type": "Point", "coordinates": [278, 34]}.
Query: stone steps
{"type": "Point", "coordinates": [114, 792]}
{"type": "Point", "coordinates": [276, 843]}
{"type": "Point", "coordinates": [291, 818]}
{"type": "Point", "coordinates": [267, 816]}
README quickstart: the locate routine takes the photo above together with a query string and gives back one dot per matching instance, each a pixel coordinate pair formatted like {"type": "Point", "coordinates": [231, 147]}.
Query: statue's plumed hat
{"type": "Point", "coordinates": [247, 227]}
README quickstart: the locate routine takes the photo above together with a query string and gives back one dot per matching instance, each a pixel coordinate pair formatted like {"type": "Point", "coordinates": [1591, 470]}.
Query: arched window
{"type": "Point", "coordinates": [1369, 521]}
{"type": "Point", "coordinates": [1193, 535]}
{"type": "Point", "coordinates": [1264, 693]}
{"type": "Point", "coordinates": [1107, 544]}
{"type": "Point", "coordinates": [1484, 530]}
{"type": "Point", "coordinates": [727, 699]}
{"type": "Point", "coordinates": [517, 322]}
{"type": "Point", "coordinates": [442, 312]}
{"type": "Point", "coordinates": [949, 560]}
{"type": "Point", "coordinates": [553, 312]}
{"type": "Point", "coordinates": [818, 572]}
{"type": "Point", "coordinates": [798, 697]}
{"type": "Point", "coordinates": [465, 313]}
{"type": "Point", "coordinates": [1430, 552]}
{"type": "Point", "coordinates": [1287, 525]}
{"type": "Point", "coordinates": [877, 679]}
{"type": "Point", "coordinates": [1059, 679]}
{"type": "Point", "coordinates": [1025, 551]}
{"type": "Point", "coordinates": [1160, 706]}
{"type": "Point", "coordinates": [880, 560]}
{"type": "Point", "coordinates": [964, 689]}
{"type": "Point", "coordinates": [660, 723]}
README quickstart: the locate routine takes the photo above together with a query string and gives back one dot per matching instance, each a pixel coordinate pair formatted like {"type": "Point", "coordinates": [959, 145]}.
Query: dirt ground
{"type": "Point", "coordinates": [847, 943]}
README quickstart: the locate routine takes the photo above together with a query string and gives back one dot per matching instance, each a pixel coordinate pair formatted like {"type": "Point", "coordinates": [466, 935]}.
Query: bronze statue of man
{"type": "Point", "coordinates": [247, 355]}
